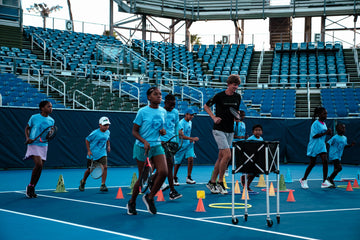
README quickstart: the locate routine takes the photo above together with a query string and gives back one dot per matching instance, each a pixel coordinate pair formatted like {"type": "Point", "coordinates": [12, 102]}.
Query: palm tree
{"type": "Point", "coordinates": [194, 39]}
{"type": "Point", "coordinates": [44, 11]}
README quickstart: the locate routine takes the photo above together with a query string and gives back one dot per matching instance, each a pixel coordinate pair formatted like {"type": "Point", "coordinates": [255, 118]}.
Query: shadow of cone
{"type": "Point", "coordinates": [160, 196]}
{"type": "Point", "coordinates": [349, 188]}
{"type": "Point", "coordinates": [200, 206]}
{"type": "Point", "coordinates": [119, 194]}
{"type": "Point", "coordinates": [355, 184]}
{"type": "Point", "coordinates": [291, 196]}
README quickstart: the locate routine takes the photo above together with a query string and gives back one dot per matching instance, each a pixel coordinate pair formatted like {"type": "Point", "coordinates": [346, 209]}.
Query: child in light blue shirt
{"type": "Point", "coordinates": [337, 144]}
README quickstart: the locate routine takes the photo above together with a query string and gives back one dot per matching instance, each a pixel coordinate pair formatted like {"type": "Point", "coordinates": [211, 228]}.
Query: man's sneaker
{"type": "Point", "coordinates": [176, 182]}
{"type": "Point", "coordinates": [174, 195]}
{"type": "Point", "coordinates": [149, 204]}
{"type": "Point", "coordinates": [103, 188]}
{"type": "Point", "coordinates": [164, 186]}
{"type": "Point", "coordinates": [189, 180]}
{"type": "Point", "coordinates": [326, 184]}
{"type": "Point", "coordinates": [332, 182]}
{"type": "Point", "coordinates": [28, 191]}
{"type": "Point", "coordinates": [131, 208]}
{"type": "Point", "coordinates": [303, 183]}
{"type": "Point", "coordinates": [34, 195]}
{"type": "Point", "coordinates": [221, 188]}
{"type": "Point", "coordinates": [82, 185]}
{"type": "Point", "coordinates": [212, 187]}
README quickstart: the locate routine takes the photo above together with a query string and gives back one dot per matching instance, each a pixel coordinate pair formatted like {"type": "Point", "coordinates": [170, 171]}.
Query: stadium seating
{"type": "Point", "coordinates": [341, 102]}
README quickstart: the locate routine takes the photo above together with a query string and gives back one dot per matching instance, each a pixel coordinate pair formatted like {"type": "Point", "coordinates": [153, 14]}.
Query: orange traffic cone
{"type": "Point", "coordinates": [355, 184]}
{"type": "Point", "coordinates": [291, 197]}
{"type": "Point", "coordinates": [243, 195]}
{"type": "Point", "coordinates": [200, 206]}
{"type": "Point", "coordinates": [160, 196]}
{"type": "Point", "coordinates": [349, 188]}
{"type": "Point", "coordinates": [119, 194]}
{"type": "Point", "coordinates": [237, 188]}
{"type": "Point", "coordinates": [272, 190]}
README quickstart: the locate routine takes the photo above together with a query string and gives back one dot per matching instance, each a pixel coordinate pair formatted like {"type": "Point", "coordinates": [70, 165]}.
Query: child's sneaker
{"type": "Point", "coordinates": [303, 183]}
{"type": "Point", "coordinates": [131, 208]}
{"type": "Point", "coordinates": [212, 187]}
{"type": "Point", "coordinates": [82, 185]}
{"type": "Point", "coordinates": [326, 184]}
{"type": "Point", "coordinates": [150, 205]}
{"type": "Point", "coordinates": [164, 186]}
{"type": "Point", "coordinates": [332, 182]}
{"type": "Point", "coordinates": [174, 195]}
{"type": "Point", "coordinates": [176, 182]}
{"type": "Point", "coordinates": [221, 188]}
{"type": "Point", "coordinates": [103, 188]}
{"type": "Point", "coordinates": [189, 180]}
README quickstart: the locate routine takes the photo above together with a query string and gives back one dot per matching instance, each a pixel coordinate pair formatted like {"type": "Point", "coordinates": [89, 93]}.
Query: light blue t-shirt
{"type": "Point", "coordinates": [171, 126]}
{"type": "Point", "coordinates": [186, 127]}
{"type": "Point", "coordinates": [253, 138]}
{"type": "Point", "coordinates": [151, 121]}
{"type": "Point", "coordinates": [317, 145]}
{"type": "Point", "coordinates": [38, 123]}
{"type": "Point", "coordinates": [97, 140]}
{"type": "Point", "coordinates": [239, 130]}
{"type": "Point", "coordinates": [337, 144]}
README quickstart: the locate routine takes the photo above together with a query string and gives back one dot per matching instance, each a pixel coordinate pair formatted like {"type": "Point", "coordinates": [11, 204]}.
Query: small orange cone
{"type": "Point", "coordinates": [243, 195]}
{"type": "Point", "coordinates": [119, 194]}
{"type": "Point", "coordinates": [272, 190]}
{"type": "Point", "coordinates": [200, 206]}
{"type": "Point", "coordinates": [349, 188]}
{"type": "Point", "coordinates": [355, 184]}
{"type": "Point", "coordinates": [237, 188]}
{"type": "Point", "coordinates": [291, 196]}
{"type": "Point", "coordinates": [160, 196]}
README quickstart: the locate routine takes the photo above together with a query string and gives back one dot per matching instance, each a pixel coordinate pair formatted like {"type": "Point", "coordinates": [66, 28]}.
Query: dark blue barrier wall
{"type": "Point", "coordinates": [68, 148]}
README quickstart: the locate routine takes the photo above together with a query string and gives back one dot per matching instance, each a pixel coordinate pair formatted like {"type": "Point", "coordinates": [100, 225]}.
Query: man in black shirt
{"type": "Point", "coordinates": [223, 129]}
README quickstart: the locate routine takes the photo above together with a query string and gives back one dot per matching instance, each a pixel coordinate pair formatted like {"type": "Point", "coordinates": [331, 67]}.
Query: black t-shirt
{"type": "Point", "coordinates": [222, 104]}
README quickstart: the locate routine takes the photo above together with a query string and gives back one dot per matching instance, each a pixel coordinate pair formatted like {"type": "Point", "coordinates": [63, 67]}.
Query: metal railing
{"type": "Point", "coordinates": [260, 65]}
{"type": "Point", "coordinates": [201, 100]}
{"type": "Point", "coordinates": [54, 88]}
{"type": "Point", "coordinates": [37, 77]}
{"type": "Point", "coordinates": [356, 59]}
{"type": "Point", "coordinates": [79, 103]}
{"type": "Point", "coordinates": [121, 91]}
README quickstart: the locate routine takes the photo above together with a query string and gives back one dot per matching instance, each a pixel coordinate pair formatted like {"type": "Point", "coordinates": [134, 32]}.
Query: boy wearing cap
{"type": "Point", "coordinates": [187, 149]}
{"type": "Point", "coordinates": [98, 145]}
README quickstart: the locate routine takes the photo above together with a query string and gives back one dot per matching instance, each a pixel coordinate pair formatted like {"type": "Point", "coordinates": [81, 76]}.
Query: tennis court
{"type": "Point", "coordinates": [316, 213]}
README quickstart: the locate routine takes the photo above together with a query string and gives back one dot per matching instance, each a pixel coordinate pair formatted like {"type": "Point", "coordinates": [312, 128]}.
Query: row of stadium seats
{"type": "Point", "coordinates": [286, 46]}
{"type": "Point", "coordinates": [341, 102]}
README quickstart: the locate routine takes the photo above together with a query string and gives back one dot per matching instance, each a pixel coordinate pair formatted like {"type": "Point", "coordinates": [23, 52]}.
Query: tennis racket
{"type": "Point", "coordinates": [171, 148]}
{"type": "Point", "coordinates": [235, 113]}
{"type": "Point", "coordinates": [146, 176]}
{"type": "Point", "coordinates": [47, 134]}
{"type": "Point", "coordinates": [96, 169]}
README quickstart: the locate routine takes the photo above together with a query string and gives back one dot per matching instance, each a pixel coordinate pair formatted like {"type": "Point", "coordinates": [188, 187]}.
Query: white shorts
{"type": "Point", "coordinates": [34, 150]}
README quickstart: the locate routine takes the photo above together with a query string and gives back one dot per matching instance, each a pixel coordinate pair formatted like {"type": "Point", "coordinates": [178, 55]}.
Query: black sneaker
{"type": "Point", "coordinates": [82, 185]}
{"type": "Point", "coordinates": [174, 195]}
{"type": "Point", "coordinates": [332, 182]}
{"type": "Point", "coordinates": [103, 188]}
{"type": "Point", "coordinates": [150, 205]}
{"type": "Point", "coordinates": [34, 195]}
{"type": "Point", "coordinates": [212, 187]}
{"type": "Point", "coordinates": [28, 191]}
{"type": "Point", "coordinates": [220, 186]}
{"type": "Point", "coordinates": [176, 182]}
{"type": "Point", "coordinates": [131, 208]}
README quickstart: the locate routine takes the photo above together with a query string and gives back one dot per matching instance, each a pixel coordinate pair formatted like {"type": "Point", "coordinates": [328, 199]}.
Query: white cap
{"type": "Point", "coordinates": [104, 121]}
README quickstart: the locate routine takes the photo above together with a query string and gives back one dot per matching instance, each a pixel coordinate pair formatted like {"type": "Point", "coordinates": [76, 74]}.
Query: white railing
{"type": "Point", "coordinates": [105, 82]}
{"type": "Point", "coordinates": [201, 100]}
{"type": "Point", "coordinates": [79, 103]}
{"type": "Point", "coordinates": [44, 44]}
{"type": "Point", "coordinates": [62, 64]}
{"type": "Point", "coordinates": [54, 88]}
{"type": "Point", "coordinates": [163, 61]}
{"type": "Point", "coordinates": [121, 91]}
{"type": "Point", "coordinates": [260, 65]}
{"type": "Point", "coordinates": [36, 78]}
{"type": "Point", "coordinates": [356, 59]}
{"type": "Point", "coordinates": [180, 72]}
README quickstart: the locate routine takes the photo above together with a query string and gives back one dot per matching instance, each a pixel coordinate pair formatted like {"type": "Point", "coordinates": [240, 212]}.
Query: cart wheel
{"type": "Point", "coordinates": [269, 223]}
{"type": "Point", "coordinates": [245, 217]}
{"type": "Point", "coordinates": [235, 221]}
{"type": "Point", "coordinates": [278, 219]}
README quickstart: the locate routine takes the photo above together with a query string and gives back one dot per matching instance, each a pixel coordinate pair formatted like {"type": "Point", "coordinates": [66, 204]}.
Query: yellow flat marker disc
{"type": "Point", "coordinates": [229, 205]}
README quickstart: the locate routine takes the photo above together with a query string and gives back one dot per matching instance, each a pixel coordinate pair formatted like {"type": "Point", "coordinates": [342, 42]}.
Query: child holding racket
{"type": "Point", "coordinates": [171, 126]}
{"type": "Point", "coordinates": [97, 145]}
{"type": "Point", "coordinates": [337, 144]}
{"type": "Point", "coordinates": [317, 147]}
{"type": "Point", "coordinates": [187, 149]}
{"type": "Point", "coordinates": [147, 128]}
{"type": "Point", "coordinates": [36, 149]}
{"type": "Point", "coordinates": [257, 131]}
{"type": "Point", "coordinates": [223, 129]}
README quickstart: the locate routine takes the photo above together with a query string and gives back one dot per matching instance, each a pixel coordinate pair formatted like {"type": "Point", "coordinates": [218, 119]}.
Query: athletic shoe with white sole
{"type": "Point", "coordinates": [326, 184]}
{"type": "Point", "coordinates": [303, 183]}
{"type": "Point", "coordinates": [212, 187]}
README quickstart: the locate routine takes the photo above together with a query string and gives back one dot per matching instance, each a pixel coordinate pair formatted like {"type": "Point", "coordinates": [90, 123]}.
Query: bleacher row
{"type": "Point", "coordinates": [317, 62]}
{"type": "Point", "coordinates": [341, 102]}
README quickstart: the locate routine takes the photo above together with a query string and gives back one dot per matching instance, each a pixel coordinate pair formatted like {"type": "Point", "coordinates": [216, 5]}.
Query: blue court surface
{"type": "Point", "coordinates": [316, 213]}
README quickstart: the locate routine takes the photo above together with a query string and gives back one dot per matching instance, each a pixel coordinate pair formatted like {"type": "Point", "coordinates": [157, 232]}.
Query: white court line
{"type": "Point", "coordinates": [284, 213]}
{"type": "Point", "coordinates": [184, 217]}
{"type": "Point", "coordinates": [74, 224]}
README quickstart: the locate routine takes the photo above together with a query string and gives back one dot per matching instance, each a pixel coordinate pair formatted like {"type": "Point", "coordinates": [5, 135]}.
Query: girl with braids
{"type": "Point", "coordinates": [317, 146]}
